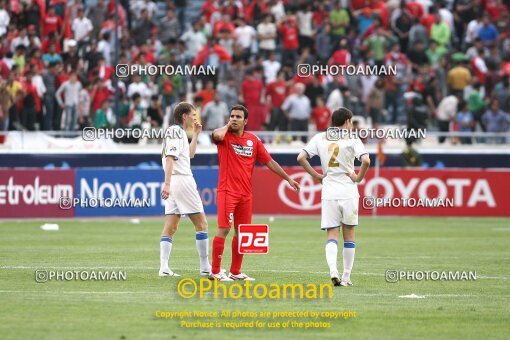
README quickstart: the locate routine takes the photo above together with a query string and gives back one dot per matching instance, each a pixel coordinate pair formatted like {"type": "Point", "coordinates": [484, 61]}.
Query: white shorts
{"type": "Point", "coordinates": [337, 212]}
{"type": "Point", "coordinates": [184, 198]}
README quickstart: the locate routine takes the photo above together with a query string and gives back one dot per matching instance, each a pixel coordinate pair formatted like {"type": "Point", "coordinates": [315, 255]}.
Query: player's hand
{"type": "Point", "coordinates": [294, 184]}
{"type": "Point", "coordinates": [197, 128]}
{"type": "Point", "coordinates": [319, 177]}
{"type": "Point", "coordinates": [353, 177]}
{"type": "Point", "coordinates": [165, 192]}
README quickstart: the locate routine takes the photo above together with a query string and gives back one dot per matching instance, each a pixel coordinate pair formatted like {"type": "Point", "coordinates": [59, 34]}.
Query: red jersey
{"type": "Point", "coordinates": [277, 90]}
{"type": "Point", "coordinates": [220, 26]}
{"type": "Point", "coordinates": [51, 24]}
{"type": "Point", "coordinates": [416, 9]}
{"type": "Point", "coordinates": [428, 21]}
{"type": "Point", "coordinates": [290, 37]}
{"type": "Point", "coordinates": [236, 156]}
{"type": "Point", "coordinates": [206, 95]}
{"type": "Point", "coordinates": [340, 57]}
{"type": "Point", "coordinates": [359, 4]}
{"type": "Point", "coordinates": [318, 17]}
{"type": "Point", "coordinates": [321, 117]}
{"type": "Point", "coordinates": [251, 90]}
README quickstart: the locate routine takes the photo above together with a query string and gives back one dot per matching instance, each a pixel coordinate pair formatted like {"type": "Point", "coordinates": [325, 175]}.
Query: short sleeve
{"type": "Point", "coordinates": [262, 155]}
{"type": "Point", "coordinates": [312, 148]}
{"type": "Point", "coordinates": [359, 149]}
{"type": "Point", "coordinates": [222, 142]}
{"type": "Point", "coordinates": [173, 146]}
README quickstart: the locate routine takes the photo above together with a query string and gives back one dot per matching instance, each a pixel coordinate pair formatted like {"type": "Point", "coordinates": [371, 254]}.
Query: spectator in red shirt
{"type": "Point", "coordinates": [99, 94]}
{"type": "Point", "coordinates": [252, 90]}
{"type": "Point", "coordinates": [212, 50]}
{"type": "Point", "coordinates": [321, 115]}
{"type": "Point", "coordinates": [36, 61]}
{"type": "Point", "coordinates": [212, 55]}
{"type": "Point", "coordinates": [31, 103]}
{"type": "Point", "coordinates": [342, 56]}
{"type": "Point", "coordinates": [416, 9]}
{"type": "Point", "coordinates": [320, 15]}
{"type": "Point", "coordinates": [276, 92]}
{"type": "Point", "coordinates": [224, 28]}
{"type": "Point", "coordinates": [233, 9]}
{"type": "Point", "coordinates": [51, 23]}
{"type": "Point", "coordinates": [4, 68]}
{"type": "Point", "coordinates": [102, 71]}
{"type": "Point", "coordinates": [359, 4]}
{"type": "Point", "coordinates": [207, 94]}
{"type": "Point", "coordinates": [429, 19]}
{"type": "Point", "coordinates": [380, 7]}
{"type": "Point", "coordinates": [146, 57]}
{"type": "Point", "coordinates": [51, 40]}
{"type": "Point", "coordinates": [290, 38]}
{"type": "Point", "coordinates": [208, 8]}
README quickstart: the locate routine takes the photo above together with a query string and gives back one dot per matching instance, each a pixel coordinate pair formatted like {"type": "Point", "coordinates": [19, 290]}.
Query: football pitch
{"type": "Point", "coordinates": [127, 309]}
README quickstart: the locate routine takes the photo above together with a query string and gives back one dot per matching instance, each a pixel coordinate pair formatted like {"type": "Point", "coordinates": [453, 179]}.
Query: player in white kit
{"type": "Point", "coordinates": [180, 189]}
{"type": "Point", "coordinates": [337, 149]}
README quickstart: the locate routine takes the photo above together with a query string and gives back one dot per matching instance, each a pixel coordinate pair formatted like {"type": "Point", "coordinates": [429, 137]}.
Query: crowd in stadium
{"type": "Point", "coordinates": [58, 59]}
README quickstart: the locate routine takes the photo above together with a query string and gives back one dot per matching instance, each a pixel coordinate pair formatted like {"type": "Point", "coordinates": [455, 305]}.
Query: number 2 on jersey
{"type": "Point", "coordinates": [334, 149]}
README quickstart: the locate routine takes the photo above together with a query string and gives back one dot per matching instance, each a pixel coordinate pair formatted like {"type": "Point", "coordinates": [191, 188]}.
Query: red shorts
{"type": "Point", "coordinates": [233, 208]}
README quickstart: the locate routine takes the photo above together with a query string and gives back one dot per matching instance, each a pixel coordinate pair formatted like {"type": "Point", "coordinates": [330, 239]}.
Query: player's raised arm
{"type": "Point", "coordinates": [169, 167]}
{"type": "Point", "coordinates": [365, 164]}
{"type": "Point", "coordinates": [277, 169]}
{"type": "Point", "coordinates": [197, 128]}
{"type": "Point", "coordinates": [303, 161]}
{"type": "Point", "coordinates": [219, 134]}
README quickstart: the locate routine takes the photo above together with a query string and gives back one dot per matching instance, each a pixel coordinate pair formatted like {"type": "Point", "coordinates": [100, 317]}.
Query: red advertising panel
{"type": "Point", "coordinates": [426, 192]}
{"type": "Point", "coordinates": [35, 193]}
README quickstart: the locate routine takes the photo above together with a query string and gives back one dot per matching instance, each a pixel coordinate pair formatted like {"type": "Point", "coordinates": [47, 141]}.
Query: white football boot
{"type": "Point", "coordinates": [167, 272]}
{"type": "Point", "coordinates": [221, 276]}
{"type": "Point", "coordinates": [241, 277]}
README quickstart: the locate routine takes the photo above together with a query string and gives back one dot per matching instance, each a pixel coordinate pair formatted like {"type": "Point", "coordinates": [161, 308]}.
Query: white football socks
{"type": "Point", "coordinates": [165, 247]}
{"type": "Point", "coordinates": [331, 255]}
{"type": "Point", "coordinates": [202, 242]}
{"type": "Point", "coordinates": [348, 256]}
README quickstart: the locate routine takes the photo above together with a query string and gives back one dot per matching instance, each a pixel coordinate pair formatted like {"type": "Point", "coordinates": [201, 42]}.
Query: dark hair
{"type": "Point", "coordinates": [135, 96]}
{"type": "Point", "coordinates": [340, 116]}
{"type": "Point", "coordinates": [240, 108]}
{"type": "Point", "coordinates": [181, 109]}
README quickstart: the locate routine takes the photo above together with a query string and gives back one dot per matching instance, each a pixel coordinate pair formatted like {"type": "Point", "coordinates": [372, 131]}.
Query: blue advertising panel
{"type": "Point", "coordinates": [133, 192]}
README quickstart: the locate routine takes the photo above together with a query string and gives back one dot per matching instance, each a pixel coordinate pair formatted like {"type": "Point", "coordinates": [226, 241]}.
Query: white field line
{"type": "Point", "coordinates": [39, 293]}
{"type": "Point", "coordinates": [187, 269]}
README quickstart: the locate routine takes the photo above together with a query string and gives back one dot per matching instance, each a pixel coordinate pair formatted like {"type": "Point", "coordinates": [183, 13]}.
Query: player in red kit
{"type": "Point", "coordinates": [237, 152]}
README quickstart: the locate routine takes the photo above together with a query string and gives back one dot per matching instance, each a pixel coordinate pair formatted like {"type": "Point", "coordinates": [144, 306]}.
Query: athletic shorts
{"type": "Point", "coordinates": [184, 198]}
{"type": "Point", "coordinates": [337, 212]}
{"type": "Point", "coordinates": [236, 209]}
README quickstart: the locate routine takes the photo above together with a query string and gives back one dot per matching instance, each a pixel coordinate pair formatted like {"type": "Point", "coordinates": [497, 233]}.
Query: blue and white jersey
{"type": "Point", "coordinates": [176, 145]}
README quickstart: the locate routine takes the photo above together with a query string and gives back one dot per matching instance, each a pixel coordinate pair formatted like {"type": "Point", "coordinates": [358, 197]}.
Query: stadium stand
{"type": "Point", "coordinates": [58, 65]}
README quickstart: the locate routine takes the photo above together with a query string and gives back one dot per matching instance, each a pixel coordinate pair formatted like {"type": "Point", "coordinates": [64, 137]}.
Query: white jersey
{"type": "Point", "coordinates": [176, 145]}
{"type": "Point", "coordinates": [337, 159]}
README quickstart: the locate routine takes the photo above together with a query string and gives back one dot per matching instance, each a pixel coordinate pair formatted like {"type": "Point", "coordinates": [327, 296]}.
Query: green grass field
{"type": "Point", "coordinates": [126, 309]}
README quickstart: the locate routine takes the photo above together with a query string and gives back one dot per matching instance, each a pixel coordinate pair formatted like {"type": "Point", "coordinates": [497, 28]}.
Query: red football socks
{"type": "Point", "coordinates": [237, 259]}
{"type": "Point", "coordinates": [217, 253]}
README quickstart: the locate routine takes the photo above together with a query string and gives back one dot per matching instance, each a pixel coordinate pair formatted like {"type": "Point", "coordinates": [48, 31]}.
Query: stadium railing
{"type": "Point", "coordinates": [25, 139]}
